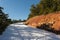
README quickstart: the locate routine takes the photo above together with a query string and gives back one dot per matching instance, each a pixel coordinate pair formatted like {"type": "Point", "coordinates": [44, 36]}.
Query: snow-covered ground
{"type": "Point", "coordinates": [19, 31]}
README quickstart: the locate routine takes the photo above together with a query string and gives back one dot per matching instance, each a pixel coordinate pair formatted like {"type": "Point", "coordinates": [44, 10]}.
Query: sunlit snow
{"type": "Point", "coordinates": [19, 31]}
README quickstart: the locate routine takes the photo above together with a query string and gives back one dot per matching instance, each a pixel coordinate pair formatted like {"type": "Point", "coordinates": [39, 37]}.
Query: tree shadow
{"type": "Point", "coordinates": [22, 33]}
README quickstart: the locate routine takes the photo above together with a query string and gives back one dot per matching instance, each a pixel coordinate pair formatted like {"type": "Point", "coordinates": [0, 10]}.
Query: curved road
{"type": "Point", "coordinates": [19, 31]}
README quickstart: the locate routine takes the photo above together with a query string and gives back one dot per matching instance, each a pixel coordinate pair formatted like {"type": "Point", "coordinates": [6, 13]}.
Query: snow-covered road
{"type": "Point", "coordinates": [20, 31]}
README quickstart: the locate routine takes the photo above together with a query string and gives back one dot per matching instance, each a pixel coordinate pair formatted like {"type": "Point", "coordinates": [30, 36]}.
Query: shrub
{"type": "Point", "coordinates": [48, 28]}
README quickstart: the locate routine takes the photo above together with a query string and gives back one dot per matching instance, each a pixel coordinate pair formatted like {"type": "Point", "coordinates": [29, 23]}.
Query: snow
{"type": "Point", "coordinates": [19, 31]}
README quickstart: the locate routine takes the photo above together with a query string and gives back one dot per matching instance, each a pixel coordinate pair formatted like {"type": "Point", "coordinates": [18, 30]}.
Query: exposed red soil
{"type": "Point", "coordinates": [52, 18]}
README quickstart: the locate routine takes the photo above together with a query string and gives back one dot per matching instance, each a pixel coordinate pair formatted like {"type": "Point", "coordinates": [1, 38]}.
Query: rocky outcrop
{"type": "Point", "coordinates": [52, 18]}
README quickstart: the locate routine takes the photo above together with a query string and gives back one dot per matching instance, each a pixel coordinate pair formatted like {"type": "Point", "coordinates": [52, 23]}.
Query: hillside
{"type": "Point", "coordinates": [52, 19]}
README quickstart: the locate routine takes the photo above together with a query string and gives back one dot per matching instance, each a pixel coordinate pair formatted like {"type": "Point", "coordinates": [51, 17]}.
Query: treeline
{"type": "Point", "coordinates": [16, 21]}
{"type": "Point", "coordinates": [4, 20]}
{"type": "Point", "coordinates": [44, 7]}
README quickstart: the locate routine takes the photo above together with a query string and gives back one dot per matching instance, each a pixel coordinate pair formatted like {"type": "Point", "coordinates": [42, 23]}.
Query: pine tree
{"type": "Point", "coordinates": [44, 7]}
{"type": "Point", "coordinates": [4, 21]}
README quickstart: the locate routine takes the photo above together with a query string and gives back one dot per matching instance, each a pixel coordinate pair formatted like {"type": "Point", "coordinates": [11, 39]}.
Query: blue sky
{"type": "Point", "coordinates": [17, 9]}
